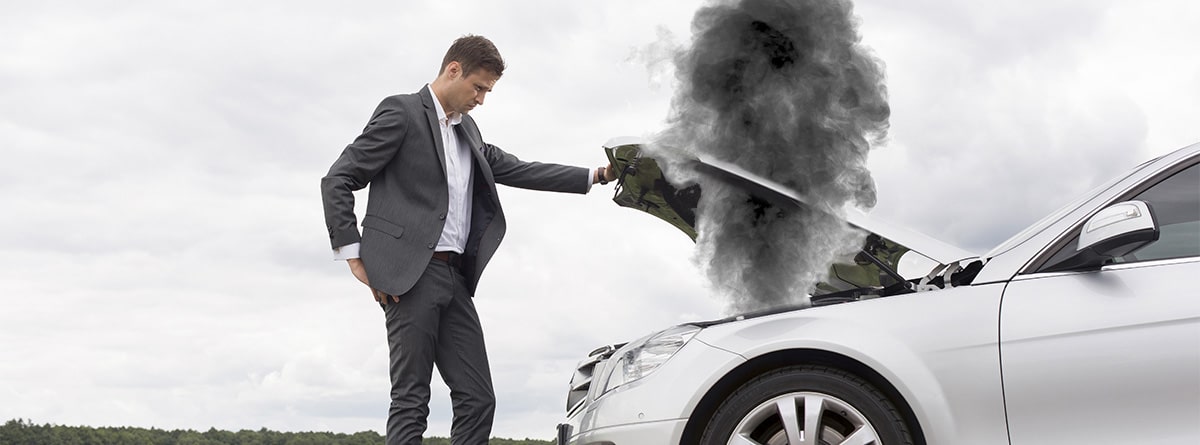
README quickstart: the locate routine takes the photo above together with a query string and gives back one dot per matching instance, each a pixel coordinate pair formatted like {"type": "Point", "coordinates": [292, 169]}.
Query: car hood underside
{"type": "Point", "coordinates": [874, 270]}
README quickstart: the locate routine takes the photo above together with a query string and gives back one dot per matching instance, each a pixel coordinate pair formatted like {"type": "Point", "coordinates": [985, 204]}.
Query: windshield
{"type": "Point", "coordinates": [880, 263]}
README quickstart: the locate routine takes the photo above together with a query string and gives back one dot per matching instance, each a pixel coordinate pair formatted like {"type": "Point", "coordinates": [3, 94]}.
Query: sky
{"type": "Point", "coordinates": [163, 256]}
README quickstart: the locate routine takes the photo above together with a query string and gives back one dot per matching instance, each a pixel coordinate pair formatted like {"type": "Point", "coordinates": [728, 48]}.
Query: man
{"type": "Point", "coordinates": [432, 223]}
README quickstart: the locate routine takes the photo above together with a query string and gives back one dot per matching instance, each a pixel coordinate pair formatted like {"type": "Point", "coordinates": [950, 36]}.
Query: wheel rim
{"type": "Point", "coordinates": [792, 419]}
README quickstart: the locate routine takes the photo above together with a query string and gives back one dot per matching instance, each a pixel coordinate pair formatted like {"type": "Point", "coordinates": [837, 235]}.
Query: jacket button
{"type": "Point", "coordinates": [430, 245]}
{"type": "Point", "coordinates": [442, 216]}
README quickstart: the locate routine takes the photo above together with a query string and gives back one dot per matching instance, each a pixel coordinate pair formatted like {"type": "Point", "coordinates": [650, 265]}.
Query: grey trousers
{"type": "Point", "coordinates": [436, 322]}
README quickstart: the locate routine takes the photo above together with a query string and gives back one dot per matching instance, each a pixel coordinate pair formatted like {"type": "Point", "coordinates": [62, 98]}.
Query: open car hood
{"type": "Point", "coordinates": [892, 260]}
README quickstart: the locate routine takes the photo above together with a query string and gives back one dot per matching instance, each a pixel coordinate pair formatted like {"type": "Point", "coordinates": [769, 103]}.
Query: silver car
{"type": "Point", "coordinates": [1082, 329]}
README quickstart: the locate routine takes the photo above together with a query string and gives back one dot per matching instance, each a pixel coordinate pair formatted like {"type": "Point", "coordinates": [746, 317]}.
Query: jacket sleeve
{"type": "Point", "coordinates": [511, 171]}
{"type": "Point", "coordinates": [370, 152]}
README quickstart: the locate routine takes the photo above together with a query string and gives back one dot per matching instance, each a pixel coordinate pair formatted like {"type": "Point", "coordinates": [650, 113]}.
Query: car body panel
{"type": "Point", "coordinates": [954, 379]}
{"type": "Point", "coordinates": [641, 185]}
{"type": "Point", "coordinates": [1103, 356]}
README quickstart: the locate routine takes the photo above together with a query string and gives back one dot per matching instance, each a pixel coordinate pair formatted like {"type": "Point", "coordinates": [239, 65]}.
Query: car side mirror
{"type": "Point", "coordinates": [1116, 231]}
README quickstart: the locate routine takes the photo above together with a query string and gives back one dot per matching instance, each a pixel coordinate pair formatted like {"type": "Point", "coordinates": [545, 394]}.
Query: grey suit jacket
{"type": "Point", "coordinates": [400, 154]}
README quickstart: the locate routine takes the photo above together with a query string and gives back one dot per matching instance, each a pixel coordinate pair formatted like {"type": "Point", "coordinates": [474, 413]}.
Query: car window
{"type": "Point", "coordinates": [1176, 205]}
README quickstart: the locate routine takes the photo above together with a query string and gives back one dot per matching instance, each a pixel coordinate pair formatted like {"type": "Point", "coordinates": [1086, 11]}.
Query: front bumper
{"type": "Point", "coordinates": [653, 410]}
{"type": "Point", "coordinates": [661, 432]}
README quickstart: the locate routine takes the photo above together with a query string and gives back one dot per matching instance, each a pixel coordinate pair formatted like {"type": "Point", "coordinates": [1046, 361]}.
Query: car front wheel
{"type": "Point", "coordinates": [807, 405]}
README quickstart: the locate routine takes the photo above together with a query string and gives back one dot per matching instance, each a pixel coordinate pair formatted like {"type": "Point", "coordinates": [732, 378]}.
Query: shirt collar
{"type": "Point", "coordinates": [441, 114]}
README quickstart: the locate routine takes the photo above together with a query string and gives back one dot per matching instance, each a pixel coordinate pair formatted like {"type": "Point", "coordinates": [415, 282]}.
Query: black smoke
{"type": "Point", "coordinates": [786, 90]}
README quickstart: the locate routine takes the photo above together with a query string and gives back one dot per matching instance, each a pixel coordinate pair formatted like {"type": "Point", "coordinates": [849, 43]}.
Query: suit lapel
{"type": "Point", "coordinates": [467, 131]}
{"type": "Point", "coordinates": [435, 129]}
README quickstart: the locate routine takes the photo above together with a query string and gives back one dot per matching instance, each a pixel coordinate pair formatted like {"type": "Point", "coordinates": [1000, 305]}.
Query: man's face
{"type": "Point", "coordinates": [465, 93]}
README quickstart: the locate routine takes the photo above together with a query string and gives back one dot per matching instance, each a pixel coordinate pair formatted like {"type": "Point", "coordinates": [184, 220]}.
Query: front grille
{"type": "Point", "coordinates": [581, 381]}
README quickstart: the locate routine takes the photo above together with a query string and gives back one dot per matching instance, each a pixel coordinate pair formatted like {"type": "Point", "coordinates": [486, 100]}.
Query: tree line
{"type": "Point", "coordinates": [25, 432]}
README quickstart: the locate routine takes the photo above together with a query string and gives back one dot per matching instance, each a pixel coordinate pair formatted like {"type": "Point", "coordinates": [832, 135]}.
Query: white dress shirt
{"type": "Point", "coordinates": [458, 182]}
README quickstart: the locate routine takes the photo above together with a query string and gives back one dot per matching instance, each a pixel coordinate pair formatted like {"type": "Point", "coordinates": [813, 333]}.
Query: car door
{"type": "Point", "coordinates": [1111, 355]}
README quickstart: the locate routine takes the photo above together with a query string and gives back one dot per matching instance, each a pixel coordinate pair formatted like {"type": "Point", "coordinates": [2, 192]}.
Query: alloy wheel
{"type": "Point", "coordinates": [804, 418]}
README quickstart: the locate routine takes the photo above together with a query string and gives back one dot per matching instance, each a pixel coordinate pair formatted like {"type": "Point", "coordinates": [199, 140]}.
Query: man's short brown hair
{"type": "Point", "coordinates": [474, 53]}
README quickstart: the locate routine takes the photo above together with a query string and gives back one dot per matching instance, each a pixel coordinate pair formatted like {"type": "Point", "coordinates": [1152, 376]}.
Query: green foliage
{"type": "Point", "coordinates": [25, 432]}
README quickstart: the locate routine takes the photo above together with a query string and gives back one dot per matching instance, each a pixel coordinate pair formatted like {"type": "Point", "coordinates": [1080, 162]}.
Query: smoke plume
{"type": "Point", "coordinates": [783, 89]}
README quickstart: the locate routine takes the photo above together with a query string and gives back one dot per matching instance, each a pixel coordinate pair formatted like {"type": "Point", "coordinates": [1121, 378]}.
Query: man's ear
{"type": "Point", "coordinates": [453, 70]}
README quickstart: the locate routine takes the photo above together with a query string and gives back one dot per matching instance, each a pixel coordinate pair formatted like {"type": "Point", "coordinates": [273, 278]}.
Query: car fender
{"type": "Point", "coordinates": [946, 367]}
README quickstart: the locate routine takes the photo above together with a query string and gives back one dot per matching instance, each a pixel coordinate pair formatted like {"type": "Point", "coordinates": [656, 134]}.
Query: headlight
{"type": "Point", "coordinates": [641, 357]}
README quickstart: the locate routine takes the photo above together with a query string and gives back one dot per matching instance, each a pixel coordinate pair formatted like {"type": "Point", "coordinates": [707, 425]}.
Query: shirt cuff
{"type": "Point", "coordinates": [347, 252]}
{"type": "Point", "coordinates": [591, 175]}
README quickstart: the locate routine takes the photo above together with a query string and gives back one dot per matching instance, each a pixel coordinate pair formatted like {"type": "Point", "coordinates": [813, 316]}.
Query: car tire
{"type": "Point", "coordinates": [773, 406]}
